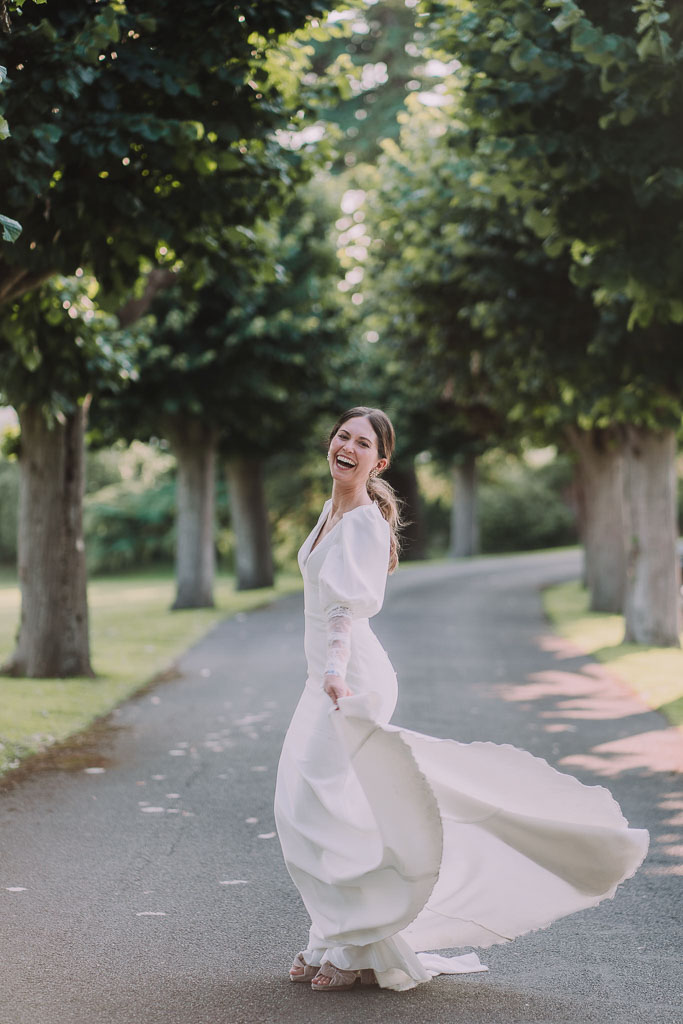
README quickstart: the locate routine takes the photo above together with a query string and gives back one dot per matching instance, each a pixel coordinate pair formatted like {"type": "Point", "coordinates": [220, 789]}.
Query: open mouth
{"type": "Point", "coordinates": [345, 463]}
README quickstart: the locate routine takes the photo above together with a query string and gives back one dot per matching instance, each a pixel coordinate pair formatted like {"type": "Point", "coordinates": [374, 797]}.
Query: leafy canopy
{"type": "Point", "coordinates": [132, 127]}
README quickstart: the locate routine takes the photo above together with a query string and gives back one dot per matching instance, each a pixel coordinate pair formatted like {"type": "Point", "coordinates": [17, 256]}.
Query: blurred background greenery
{"type": "Point", "coordinates": [525, 503]}
{"type": "Point", "coordinates": [129, 513]}
{"type": "Point", "coordinates": [466, 214]}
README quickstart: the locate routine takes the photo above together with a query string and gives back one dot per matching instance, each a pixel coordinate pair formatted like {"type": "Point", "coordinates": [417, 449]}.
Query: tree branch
{"type": "Point", "coordinates": [157, 280]}
{"type": "Point", "coordinates": [16, 282]}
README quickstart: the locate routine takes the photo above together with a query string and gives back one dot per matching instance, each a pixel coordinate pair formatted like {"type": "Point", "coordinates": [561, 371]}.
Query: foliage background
{"type": "Point", "coordinates": [130, 506]}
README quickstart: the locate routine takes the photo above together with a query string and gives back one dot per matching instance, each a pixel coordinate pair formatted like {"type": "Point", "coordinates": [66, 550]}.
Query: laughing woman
{"type": "Point", "coordinates": [399, 842]}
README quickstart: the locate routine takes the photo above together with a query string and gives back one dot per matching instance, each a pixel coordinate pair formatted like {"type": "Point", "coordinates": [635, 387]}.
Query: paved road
{"type": "Point", "coordinates": [154, 892]}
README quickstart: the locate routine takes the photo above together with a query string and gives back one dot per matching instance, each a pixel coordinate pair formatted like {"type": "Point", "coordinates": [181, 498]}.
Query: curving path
{"type": "Point", "coordinates": [151, 889]}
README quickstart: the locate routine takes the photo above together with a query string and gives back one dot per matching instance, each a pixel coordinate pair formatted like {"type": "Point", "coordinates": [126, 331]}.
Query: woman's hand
{"type": "Point", "coordinates": [335, 687]}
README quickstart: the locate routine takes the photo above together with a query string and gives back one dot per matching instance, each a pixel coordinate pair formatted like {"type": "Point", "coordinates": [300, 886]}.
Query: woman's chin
{"type": "Point", "coordinates": [342, 476]}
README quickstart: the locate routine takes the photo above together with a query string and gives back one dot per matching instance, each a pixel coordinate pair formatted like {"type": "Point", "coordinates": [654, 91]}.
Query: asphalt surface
{"type": "Point", "coordinates": [152, 889]}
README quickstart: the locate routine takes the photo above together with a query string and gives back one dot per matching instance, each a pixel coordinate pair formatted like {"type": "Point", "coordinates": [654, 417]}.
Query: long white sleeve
{"type": "Point", "coordinates": [352, 580]}
{"type": "Point", "coordinates": [339, 621]}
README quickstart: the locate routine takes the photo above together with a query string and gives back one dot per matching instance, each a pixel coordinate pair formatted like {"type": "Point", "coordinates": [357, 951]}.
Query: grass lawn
{"type": "Point", "coordinates": [655, 673]}
{"type": "Point", "coordinates": [134, 637]}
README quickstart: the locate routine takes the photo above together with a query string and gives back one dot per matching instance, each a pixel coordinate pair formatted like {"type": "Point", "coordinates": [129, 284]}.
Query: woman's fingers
{"type": "Point", "coordinates": [333, 683]}
{"type": "Point", "coordinates": [335, 688]}
{"type": "Point", "coordinates": [334, 694]}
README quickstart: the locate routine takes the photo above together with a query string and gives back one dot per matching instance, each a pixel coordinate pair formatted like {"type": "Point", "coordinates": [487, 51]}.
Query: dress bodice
{"type": "Point", "coordinates": [349, 564]}
{"type": "Point", "coordinates": [344, 581]}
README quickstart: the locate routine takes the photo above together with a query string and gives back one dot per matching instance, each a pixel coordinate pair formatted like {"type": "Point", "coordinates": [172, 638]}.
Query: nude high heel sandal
{"type": "Point", "coordinates": [308, 972]}
{"type": "Point", "coordinates": [340, 980]}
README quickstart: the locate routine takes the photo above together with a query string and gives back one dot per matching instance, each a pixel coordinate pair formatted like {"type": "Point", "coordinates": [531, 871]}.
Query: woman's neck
{"type": "Point", "coordinates": [344, 498]}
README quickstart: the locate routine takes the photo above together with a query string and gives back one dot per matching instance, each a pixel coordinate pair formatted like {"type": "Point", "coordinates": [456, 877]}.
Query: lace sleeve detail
{"type": "Point", "coordinates": [338, 640]}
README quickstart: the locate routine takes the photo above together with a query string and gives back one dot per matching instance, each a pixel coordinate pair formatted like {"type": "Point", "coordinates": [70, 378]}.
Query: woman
{"type": "Point", "coordinates": [399, 842]}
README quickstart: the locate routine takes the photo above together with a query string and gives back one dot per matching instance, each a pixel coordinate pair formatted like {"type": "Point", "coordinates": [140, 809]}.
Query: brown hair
{"type": "Point", "coordinates": [379, 490]}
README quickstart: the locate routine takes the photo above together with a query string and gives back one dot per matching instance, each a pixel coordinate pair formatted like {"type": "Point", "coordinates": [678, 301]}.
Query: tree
{"type": "Point", "coordinates": [53, 632]}
{"type": "Point", "coordinates": [126, 114]}
{"type": "Point", "coordinates": [134, 138]}
{"type": "Point", "coordinates": [287, 338]}
{"type": "Point", "coordinates": [378, 54]}
{"type": "Point", "coordinates": [571, 114]}
{"type": "Point", "coordinates": [413, 286]}
{"type": "Point", "coordinates": [600, 476]}
{"type": "Point", "coordinates": [235, 370]}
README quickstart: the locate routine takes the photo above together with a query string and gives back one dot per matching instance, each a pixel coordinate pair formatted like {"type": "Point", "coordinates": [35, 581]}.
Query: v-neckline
{"type": "Point", "coordinates": [318, 540]}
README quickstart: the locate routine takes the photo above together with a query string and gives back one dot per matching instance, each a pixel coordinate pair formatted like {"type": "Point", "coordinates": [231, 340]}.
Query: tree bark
{"type": "Point", "coordinates": [600, 470]}
{"type": "Point", "coordinates": [16, 281]}
{"type": "Point", "coordinates": [194, 446]}
{"type": "Point", "coordinates": [249, 515]}
{"type": "Point", "coordinates": [464, 514]}
{"type": "Point", "coordinates": [157, 279]}
{"type": "Point", "coordinates": [53, 636]}
{"type": "Point", "coordinates": [580, 511]}
{"type": "Point", "coordinates": [653, 603]}
{"type": "Point", "coordinates": [403, 479]}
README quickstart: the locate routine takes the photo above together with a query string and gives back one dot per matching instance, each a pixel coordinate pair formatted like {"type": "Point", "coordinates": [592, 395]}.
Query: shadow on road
{"type": "Point", "coordinates": [579, 690]}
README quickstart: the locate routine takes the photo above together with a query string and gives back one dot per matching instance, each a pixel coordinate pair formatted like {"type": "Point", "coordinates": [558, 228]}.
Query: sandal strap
{"type": "Point", "coordinates": [308, 971]}
{"type": "Point", "coordinates": [336, 975]}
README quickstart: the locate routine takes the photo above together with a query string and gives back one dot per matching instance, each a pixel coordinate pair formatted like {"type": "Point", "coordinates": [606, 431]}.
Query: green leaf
{"type": "Point", "coordinates": [230, 162]}
{"type": "Point", "coordinates": [627, 116]}
{"type": "Point", "coordinates": [566, 19]}
{"type": "Point", "coordinates": [48, 133]}
{"type": "Point", "coordinates": [554, 246]}
{"type": "Point", "coordinates": [676, 311]}
{"type": "Point", "coordinates": [654, 43]}
{"type": "Point", "coordinates": [541, 223]}
{"type": "Point", "coordinates": [48, 30]}
{"type": "Point", "coordinates": [11, 229]}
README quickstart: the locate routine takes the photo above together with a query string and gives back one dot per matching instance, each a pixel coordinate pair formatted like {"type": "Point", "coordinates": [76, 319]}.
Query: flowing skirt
{"type": "Point", "coordinates": [399, 842]}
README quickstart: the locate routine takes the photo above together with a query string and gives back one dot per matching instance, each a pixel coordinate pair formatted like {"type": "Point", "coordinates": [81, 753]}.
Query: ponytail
{"type": "Point", "coordinates": [385, 497]}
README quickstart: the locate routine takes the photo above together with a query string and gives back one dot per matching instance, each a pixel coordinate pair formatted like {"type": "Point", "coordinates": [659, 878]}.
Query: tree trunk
{"type": "Point", "coordinates": [653, 604]}
{"type": "Point", "coordinates": [464, 514]}
{"type": "Point", "coordinates": [53, 632]}
{"type": "Point", "coordinates": [403, 479]}
{"type": "Point", "coordinates": [600, 462]}
{"type": "Point", "coordinates": [194, 446]}
{"type": "Point", "coordinates": [580, 511]}
{"type": "Point", "coordinates": [249, 515]}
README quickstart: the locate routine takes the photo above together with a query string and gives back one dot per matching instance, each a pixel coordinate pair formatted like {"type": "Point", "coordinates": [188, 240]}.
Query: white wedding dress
{"type": "Point", "coordinates": [399, 842]}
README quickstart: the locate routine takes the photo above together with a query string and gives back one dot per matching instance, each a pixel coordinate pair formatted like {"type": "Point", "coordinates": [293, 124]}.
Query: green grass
{"type": "Point", "coordinates": [134, 638]}
{"type": "Point", "coordinates": [656, 673]}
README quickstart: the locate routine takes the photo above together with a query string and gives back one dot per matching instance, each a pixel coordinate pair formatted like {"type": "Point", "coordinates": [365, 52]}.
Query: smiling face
{"type": "Point", "coordinates": [354, 452]}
